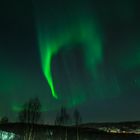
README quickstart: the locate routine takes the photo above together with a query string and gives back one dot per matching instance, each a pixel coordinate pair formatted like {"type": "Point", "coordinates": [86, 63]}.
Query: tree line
{"type": "Point", "coordinates": [31, 114]}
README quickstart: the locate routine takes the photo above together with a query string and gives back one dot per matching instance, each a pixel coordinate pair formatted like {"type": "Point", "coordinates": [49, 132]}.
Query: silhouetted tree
{"type": "Point", "coordinates": [62, 118]}
{"type": "Point", "coordinates": [77, 117]}
{"type": "Point", "coordinates": [31, 112]}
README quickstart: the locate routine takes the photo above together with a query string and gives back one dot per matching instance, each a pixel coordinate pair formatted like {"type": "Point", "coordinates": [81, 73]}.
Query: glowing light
{"type": "Point", "coordinates": [53, 35]}
{"type": "Point", "coordinates": [6, 135]}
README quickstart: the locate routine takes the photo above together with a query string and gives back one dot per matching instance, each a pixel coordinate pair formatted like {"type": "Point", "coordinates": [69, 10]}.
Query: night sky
{"type": "Point", "coordinates": [82, 54]}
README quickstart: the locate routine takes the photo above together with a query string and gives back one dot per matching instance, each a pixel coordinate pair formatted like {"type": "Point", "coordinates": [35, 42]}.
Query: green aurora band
{"type": "Point", "coordinates": [57, 33]}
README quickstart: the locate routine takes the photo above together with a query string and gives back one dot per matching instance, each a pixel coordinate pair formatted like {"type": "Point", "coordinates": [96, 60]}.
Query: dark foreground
{"type": "Point", "coordinates": [18, 131]}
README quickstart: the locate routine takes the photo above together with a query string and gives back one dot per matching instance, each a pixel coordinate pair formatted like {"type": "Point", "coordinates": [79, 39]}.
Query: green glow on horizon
{"type": "Point", "coordinates": [18, 108]}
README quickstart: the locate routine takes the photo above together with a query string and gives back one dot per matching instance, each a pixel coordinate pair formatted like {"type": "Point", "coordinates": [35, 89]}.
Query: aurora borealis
{"type": "Point", "coordinates": [78, 54]}
{"type": "Point", "coordinates": [51, 42]}
{"type": "Point", "coordinates": [57, 32]}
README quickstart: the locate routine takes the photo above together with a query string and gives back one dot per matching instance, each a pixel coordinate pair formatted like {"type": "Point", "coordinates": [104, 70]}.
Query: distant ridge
{"type": "Point", "coordinates": [126, 123]}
